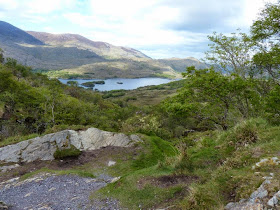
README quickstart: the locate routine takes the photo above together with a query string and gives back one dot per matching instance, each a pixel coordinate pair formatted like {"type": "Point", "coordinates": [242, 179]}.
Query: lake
{"type": "Point", "coordinates": [115, 83]}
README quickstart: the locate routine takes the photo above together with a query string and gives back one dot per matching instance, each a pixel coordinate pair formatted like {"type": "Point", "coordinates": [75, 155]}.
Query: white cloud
{"type": "Point", "coordinates": [47, 6]}
{"type": "Point", "coordinates": [41, 7]}
{"type": "Point", "coordinates": [164, 24]}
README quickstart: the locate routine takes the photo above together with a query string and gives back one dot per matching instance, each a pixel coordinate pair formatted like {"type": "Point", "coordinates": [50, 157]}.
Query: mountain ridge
{"type": "Point", "coordinates": [75, 40]}
{"type": "Point", "coordinates": [78, 56]}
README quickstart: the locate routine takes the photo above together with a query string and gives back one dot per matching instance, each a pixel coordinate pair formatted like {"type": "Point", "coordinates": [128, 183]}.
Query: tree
{"type": "Point", "coordinates": [230, 53]}
{"type": "Point", "coordinates": [265, 31]}
{"type": "Point", "coordinates": [213, 98]}
{"type": "Point", "coordinates": [1, 56]}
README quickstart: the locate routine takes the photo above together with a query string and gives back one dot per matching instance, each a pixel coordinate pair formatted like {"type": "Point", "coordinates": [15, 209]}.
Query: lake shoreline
{"type": "Point", "coordinates": [120, 83]}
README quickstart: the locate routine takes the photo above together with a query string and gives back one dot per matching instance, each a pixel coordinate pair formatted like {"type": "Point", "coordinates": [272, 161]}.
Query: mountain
{"type": "Point", "coordinates": [31, 51]}
{"type": "Point", "coordinates": [180, 64]}
{"type": "Point", "coordinates": [103, 49]}
{"type": "Point", "coordinates": [72, 55]}
{"type": "Point", "coordinates": [9, 33]}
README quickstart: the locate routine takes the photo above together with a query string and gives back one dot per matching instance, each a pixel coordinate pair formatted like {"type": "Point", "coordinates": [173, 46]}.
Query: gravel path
{"type": "Point", "coordinates": [48, 191]}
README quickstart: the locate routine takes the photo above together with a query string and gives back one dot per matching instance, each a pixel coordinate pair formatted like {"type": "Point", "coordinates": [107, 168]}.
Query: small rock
{"type": "Point", "coordinates": [111, 163]}
{"type": "Point", "coordinates": [7, 168]}
{"type": "Point", "coordinates": [115, 179]}
{"type": "Point", "coordinates": [3, 206]}
{"type": "Point", "coordinates": [266, 162]}
{"type": "Point", "coordinates": [52, 189]}
{"type": "Point", "coordinates": [28, 194]}
{"type": "Point", "coordinates": [274, 200]}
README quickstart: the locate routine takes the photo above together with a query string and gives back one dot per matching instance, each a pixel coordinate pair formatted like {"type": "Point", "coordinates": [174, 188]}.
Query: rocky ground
{"type": "Point", "coordinates": [49, 191]}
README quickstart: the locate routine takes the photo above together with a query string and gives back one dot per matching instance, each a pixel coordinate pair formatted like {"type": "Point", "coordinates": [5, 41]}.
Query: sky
{"type": "Point", "coordinates": [158, 28]}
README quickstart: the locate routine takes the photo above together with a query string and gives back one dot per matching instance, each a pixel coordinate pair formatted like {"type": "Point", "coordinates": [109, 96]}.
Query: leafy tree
{"type": "Point", "coordinates": [1, 56]}
{"type": "Point", "coordinates": [230, 53]}
{"type": "Point", "coordinates": [265, 31]}
{"type": "Point", "coordinates": [213, 98]}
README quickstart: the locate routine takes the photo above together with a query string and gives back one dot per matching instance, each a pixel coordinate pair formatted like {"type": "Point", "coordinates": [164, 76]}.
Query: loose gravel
{"type": "Point", "coordinates": [50, 191]}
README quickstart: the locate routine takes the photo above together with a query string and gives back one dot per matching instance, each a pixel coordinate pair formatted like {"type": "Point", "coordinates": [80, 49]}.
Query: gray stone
{"type": "Point", "coordinates": [255, 202]}
{"type": "Point", "coordinates": [115, 179]}
{"type": "Point", "coordinates": [3, 206]}
{"type": "Point", "coordinates": [274, 200]}
{"type": "Point", "coordinates": [7, 168]}
{"type": "Point", "coordinates": [260, 193]}
{"type": "Point", "coordinates": [111, 163]}
{"type": "Point", "coordinates": [43, 148]}
{"type": "Point", "coordinates": [244, 206]}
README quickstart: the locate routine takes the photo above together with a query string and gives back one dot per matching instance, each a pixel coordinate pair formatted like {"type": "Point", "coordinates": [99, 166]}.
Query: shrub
{"type": "Point", "coordinates": [244, 133]}
{"type": "Point", "coordinates": [71, 152]}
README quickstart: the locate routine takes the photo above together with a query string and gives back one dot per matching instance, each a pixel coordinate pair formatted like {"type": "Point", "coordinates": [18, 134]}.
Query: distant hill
{"type": "Point", "coordinates": [33, 52]}
{"type": "Point", "coordinates": [103, 49]}
{"type": "Point", "coordinates": [73, 54]}
{"type": "Point", "coordinates": [180, 64]}
{"type": "Point", "coordinates": [9, 33]}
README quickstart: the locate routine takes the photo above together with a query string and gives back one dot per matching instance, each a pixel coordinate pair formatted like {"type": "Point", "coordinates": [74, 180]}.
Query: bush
{"type": "Point", "coordinates": [65, 153]}
{"type": "Point", "coordinates": [244, 133]}
{"type": "Point", "coordinates": [156, 149]}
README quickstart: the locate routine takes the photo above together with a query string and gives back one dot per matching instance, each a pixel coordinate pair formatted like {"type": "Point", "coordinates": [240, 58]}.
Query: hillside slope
{"type": "Point", "coordinates": [103, 49]}
{"type": "Point", "coordinates": [9, 33]}
{"type": "Point", "coordinates": [180, 64]}
{"type": "Point", "coordinates": [84, 58]}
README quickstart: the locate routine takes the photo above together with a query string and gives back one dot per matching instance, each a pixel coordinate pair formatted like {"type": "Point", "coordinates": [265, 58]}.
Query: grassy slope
{"type": "Point", "coordinates": [218, 162]}
{"type": "Point", "coordinates": [215, 166]}
{"type": "Point", "coordinates": [206, 171]}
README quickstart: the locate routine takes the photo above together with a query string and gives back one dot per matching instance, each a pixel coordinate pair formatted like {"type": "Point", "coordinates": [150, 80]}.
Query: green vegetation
{"type": "Point", "coordinates": [73, 83]}
{"type": "Point", "coordinates": [65, 153]}
{"type": "Point", "coordinates": [88, 84]}
{"type": "Point", "coordinates": [65, 75]}
{"type": "Point", "coordinates": [57, 172]}
{"type": "Point", "coordinates": [92, 84]}
{"type": "Point", "coordinates": [202, 135]}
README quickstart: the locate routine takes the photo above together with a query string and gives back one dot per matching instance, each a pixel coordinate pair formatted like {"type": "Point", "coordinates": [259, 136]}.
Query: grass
{"type": "Point", "coordinates": [221, 160]}
{"type": "Point", "coordinates": [58, 172]}
{"type": "Point", "coordinates": [65, 153]}
{"type": "Point", "coordinates": [128, 190]}
{"type": "Point", "coordinates": [131, 195]}
{"type": "Point", "coordinates": [17, 139]}
{"type": "Point", "coordinates": [224, 164]}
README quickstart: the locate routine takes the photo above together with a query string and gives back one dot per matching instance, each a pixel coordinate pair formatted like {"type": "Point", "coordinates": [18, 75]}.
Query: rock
{"type": "Point", "coordinates": [274, 200]}
{"type": "Point", "coordinates": [244, 206]}
{"type": "Point", "coordinates": [115, 179]}
{"type": "Point", "coordinates": [43, 148]}
{"type": "Point", "coordinates": [7, 168]}
{"type": "Point", "coordinates": [111, 163]}
{"type": "Point", "coordinates": [255, 202]}
{"type": "Point", "coordinates": [260, 193]}
{"type": "Point", "coordinates": [273, 161]}
{"type": "Point", "coordinates": [3, 206]}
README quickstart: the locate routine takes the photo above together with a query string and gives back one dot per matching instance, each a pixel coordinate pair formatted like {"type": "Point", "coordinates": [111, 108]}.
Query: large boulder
{"type": "Point", "coordinates": [43, 148]}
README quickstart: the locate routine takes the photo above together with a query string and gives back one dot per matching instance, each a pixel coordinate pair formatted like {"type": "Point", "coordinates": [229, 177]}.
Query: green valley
{"type": "Point", "coordinates": [208, 141]}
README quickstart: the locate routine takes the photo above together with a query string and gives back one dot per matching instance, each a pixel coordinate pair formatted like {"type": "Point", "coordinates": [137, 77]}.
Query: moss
{"type": "Point", "coordinates": [155, 150]}
{"type": "Point", "coordinates": [65, 153]}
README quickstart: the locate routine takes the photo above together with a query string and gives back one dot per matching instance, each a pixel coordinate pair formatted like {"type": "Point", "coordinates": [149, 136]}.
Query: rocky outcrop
{"type": "Point", "coordinates": [43, 148]}
{"type": "Point", "coordinates": [266, 196]}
